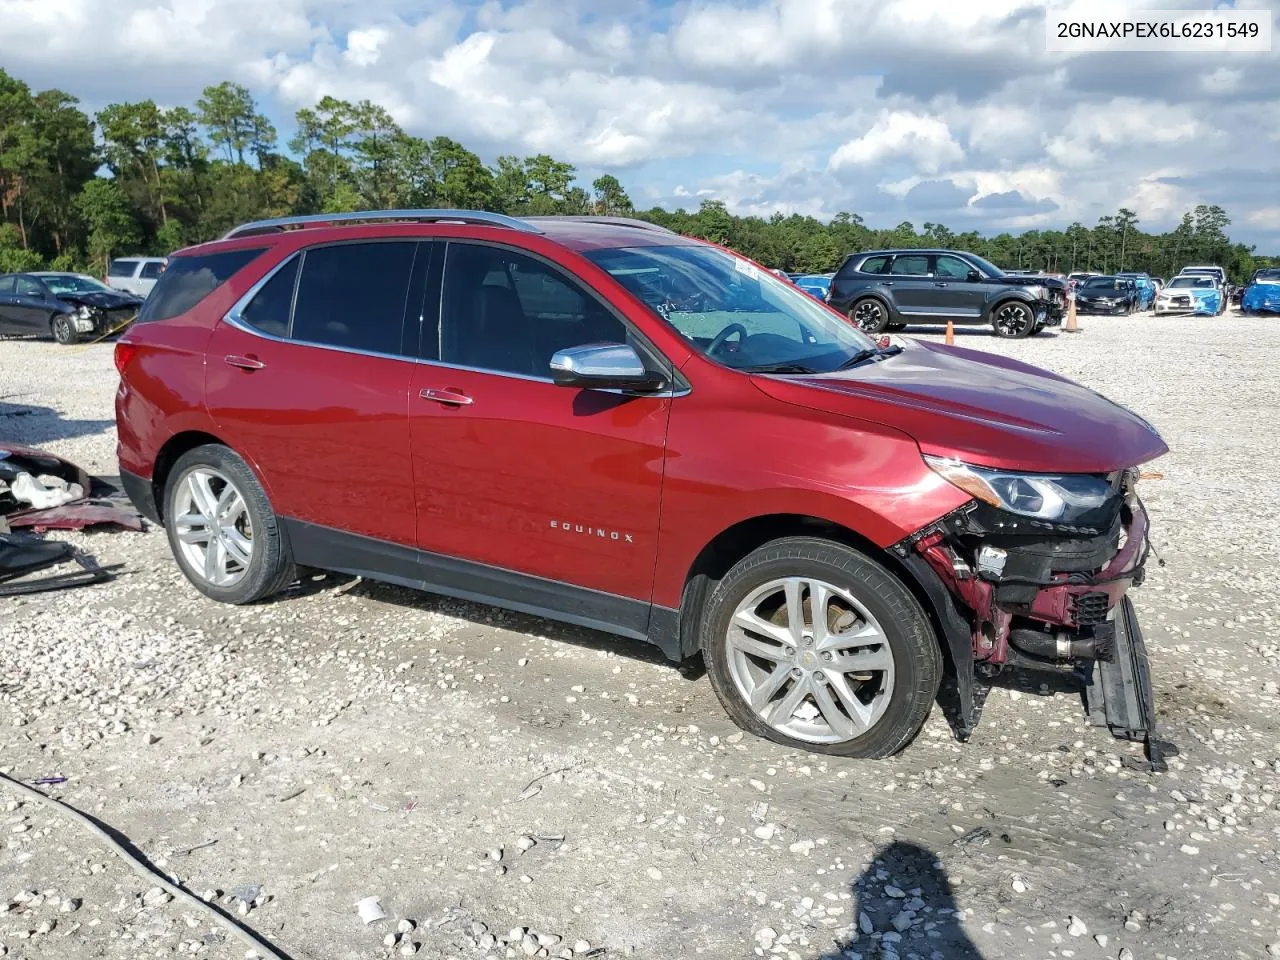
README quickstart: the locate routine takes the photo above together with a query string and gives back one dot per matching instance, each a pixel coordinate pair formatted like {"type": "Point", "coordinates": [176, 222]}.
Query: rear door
{"type": "Point", "coordinates": [8, 306]}
{"type": "Point", "coordinates": [308, 378]}
{"type": "Point", "coordinates": [911, 284]}
{"type": "Point", "coordinates": [516, 473]}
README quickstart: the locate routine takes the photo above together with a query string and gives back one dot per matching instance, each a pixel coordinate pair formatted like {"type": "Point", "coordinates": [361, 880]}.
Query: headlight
{"type": "Point", "coordinates": [85, 311]}
{"type": "Point", "coordinates": [1059, 497]}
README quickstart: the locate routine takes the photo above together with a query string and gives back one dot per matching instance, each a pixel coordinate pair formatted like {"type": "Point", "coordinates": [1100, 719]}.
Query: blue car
{"type": "Point", "coordinates": [1263, 293]}
{"type": "Point", "coordinates": [1192, 294]}
{"type": "Point", "coordinates": [815, 284]}
{"type": "Point", "coordinates": [1146, 289]}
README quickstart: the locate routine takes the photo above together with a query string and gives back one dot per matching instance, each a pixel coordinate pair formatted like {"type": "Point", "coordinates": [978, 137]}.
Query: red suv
{"type": "Point", "coordinates": [603, 422]}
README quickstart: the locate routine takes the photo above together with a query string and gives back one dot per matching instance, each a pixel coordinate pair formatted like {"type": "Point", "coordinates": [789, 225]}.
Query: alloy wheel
{"type": "Point", "coordinates": [869, 315]}
{"type": "Point", "coordinates": [810, 660]}
{"type": "Point", "coordinates": [1012, 319]}
{"type": "Point", "coordinates": [213, 527]}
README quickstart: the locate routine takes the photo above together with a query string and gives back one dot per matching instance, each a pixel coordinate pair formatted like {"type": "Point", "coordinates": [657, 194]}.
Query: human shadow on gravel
{"type": "Point", "coordinates": [33, 425]}
{"type": "Point", "coordinates": [904, 906]}
{"type": "Point", "coordinates": [497, 618]}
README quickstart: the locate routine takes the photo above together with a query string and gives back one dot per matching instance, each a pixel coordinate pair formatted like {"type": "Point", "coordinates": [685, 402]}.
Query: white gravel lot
{"type": "Point", "coordinates": [482, 771]}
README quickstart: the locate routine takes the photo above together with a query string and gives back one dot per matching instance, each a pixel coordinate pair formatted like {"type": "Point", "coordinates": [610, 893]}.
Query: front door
{"type": "Point", "coordinates": [309, 382]}
{"type": "Point", "coordinates": [911, 284]}
{"type": "Point", "coordinates": [952, 293]}
{"type": "Point", "coordinates": [516, 473]}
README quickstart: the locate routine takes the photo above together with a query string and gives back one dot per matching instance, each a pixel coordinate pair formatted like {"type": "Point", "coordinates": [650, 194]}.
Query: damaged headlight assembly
{"type": "Point", "coordinates": [1059, 498]}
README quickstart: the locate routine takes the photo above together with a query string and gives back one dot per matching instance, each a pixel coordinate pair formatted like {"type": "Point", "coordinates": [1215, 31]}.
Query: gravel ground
{"type": "Point", "coordinates": [512, 787]}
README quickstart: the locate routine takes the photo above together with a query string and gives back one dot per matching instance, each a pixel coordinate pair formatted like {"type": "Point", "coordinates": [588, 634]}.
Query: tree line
{"type": "Point", "coordinates": [76, 190]}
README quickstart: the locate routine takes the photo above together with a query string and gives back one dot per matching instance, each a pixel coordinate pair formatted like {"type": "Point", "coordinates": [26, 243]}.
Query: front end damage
{"type": "Point", "coordinates": [1030, 594]}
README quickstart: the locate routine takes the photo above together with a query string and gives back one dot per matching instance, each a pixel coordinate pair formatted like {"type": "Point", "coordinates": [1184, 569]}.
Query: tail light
{"type": "Point", "coordinates": [124, 353]}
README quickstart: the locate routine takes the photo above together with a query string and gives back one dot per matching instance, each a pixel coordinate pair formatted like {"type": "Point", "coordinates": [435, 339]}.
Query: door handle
{"type": "Point", "coordinates": [244, 363]}
{"type": "Point", "coordinates": [941, 284]}
{"type": "Point", "coordinates": [451, 397]}
{"type": "Point", "coordinates": [886, 283]}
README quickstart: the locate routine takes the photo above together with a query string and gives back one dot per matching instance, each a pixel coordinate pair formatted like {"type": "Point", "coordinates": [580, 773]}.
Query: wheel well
{"type": "Point", "coordinates": [174, 448]}
{"type": "Point", "coordinates": [719, 556]}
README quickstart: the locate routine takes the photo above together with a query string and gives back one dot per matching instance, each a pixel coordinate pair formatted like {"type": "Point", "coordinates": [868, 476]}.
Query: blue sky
{"type": "Point", "coordinates": [900, 109]}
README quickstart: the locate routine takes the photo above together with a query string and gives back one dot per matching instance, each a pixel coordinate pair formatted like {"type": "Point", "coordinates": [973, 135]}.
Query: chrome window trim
{"type": "Point", "coordinates": [233, 317]}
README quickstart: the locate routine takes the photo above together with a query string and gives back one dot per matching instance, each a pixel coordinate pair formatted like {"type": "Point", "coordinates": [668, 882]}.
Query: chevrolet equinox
{"type": "Point", "coordinates": [601, 421]}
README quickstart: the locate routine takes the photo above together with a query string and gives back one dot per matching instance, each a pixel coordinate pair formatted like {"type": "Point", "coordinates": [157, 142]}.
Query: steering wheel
{"type": "Point", "coordinates": [725, 334]}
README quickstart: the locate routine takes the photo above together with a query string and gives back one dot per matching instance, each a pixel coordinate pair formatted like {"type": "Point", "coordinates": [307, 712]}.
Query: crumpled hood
{"type": "Point", "coordinates": [102, 299]}
{"type": "Point", "coordinates": [981, 408]}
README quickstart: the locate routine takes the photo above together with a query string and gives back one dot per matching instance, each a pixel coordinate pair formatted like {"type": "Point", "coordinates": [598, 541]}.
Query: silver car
{"type": "Point", "coordinates": [135, 274]}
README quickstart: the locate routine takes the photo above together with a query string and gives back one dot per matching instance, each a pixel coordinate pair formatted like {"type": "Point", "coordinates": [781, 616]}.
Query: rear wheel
{"type": "Point", "coordinates": [222, 530]}
{"type": "Point", "coordinates": [64, 331]}
{"type": "Point", "coordinates": [1013, 319]}
{"type": "Point", "coordinates": [869, 314]}
{"type": "Point", "coordinates": [813, 645]}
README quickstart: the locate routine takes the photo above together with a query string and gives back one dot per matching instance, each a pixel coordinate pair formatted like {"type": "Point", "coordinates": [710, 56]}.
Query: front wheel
{"type": "Point", "coordinates": [1013, 320]}
{"type": "Point", "coordinates": [222, 530]}
{"type": "Point", "coordinates": [64, 331]}
{"type": "Point", "coordinates": [815, 646]}
{"type": "Point", "coordinates": [869, 315]}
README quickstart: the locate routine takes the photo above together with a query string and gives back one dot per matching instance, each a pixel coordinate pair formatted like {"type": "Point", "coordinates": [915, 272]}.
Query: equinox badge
{"type": "Point", "coordinates": [589, 531]}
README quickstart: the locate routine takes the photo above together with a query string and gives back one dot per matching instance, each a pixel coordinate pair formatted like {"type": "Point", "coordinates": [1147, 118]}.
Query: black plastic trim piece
{"type": "Point", "coordinates": [141, 494]}
{"type": "Point", "coordinates": [343, 552]}
{"type": "Point", "coordinates": [959, 640]}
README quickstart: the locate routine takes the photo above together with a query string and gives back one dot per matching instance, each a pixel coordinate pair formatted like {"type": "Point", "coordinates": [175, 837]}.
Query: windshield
{"type": "Point", "coordinates": [990, 269]}
{"type": "Point", "coordinates": [735, 313]}
{"type": "Point", "coordinates": [1197, 282]}
{"type": "Point", "coordinates": [1267, 276]}
{"type": "Point", "coordinates": [73, 283]}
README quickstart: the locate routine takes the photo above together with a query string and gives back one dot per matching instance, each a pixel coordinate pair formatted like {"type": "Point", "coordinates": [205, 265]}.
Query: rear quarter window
{"type": "Point", "coordinates": [121, 268]}
{"type": "Point", "coordinates": [874, 265]}
{"type": "Point", "coordinates": [188, 280]}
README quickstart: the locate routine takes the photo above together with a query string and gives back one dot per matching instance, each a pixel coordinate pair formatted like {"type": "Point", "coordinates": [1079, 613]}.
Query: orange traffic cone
{"type": "Point", "coordinates": [951, 332]}
{"type": "Point", "coordinates": [1072, 326]}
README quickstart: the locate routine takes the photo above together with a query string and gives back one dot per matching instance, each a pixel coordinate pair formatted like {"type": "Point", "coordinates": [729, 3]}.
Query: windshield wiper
{"type": "Point", "coordinates": [779, 368]}
{"type": "Point", "coordinates": [866, 354]}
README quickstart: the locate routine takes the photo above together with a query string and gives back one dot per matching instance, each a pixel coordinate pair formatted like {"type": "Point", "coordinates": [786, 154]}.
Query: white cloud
{"type": "Point", "coordinates": [809, 106]}
{"type": "Point", "coordinates": [901, 135]}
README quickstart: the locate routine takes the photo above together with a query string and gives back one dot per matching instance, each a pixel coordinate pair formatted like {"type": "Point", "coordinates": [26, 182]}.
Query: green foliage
{"type": "Point", "coordinates": [182, 175]}
{"type": "Point", "coordinates": [110, 217]}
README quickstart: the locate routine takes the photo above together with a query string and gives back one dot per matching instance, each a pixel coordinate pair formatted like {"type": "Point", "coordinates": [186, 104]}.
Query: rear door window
{"type": "Point", "coordinates": [29, 288]}
{"type": "Point", "coordinates": [910, 266]}
{"type": "Point", "coordinates": [6, 284]}
{"type": "Point", "coordinates": [122, 268]}
{"type": "Point", "coordinates": [271, 307]}
{"type": "Point", "coordinates": [353, 295]}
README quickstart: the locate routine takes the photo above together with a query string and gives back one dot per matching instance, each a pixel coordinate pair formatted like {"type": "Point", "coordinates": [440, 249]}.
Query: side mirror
{"type": "Point", "coordinates": [973, 276]}
{"type": "Point", "coordinates": [604, 366]}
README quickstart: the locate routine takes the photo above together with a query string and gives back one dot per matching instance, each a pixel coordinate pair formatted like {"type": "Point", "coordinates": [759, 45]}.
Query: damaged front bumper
{"type": "Point", "coordinates": [1044, 597]}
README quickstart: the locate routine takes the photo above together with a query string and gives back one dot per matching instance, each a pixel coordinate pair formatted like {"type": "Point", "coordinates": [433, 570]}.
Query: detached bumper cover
{"type": "Point", "coordinates": [1118, 693]}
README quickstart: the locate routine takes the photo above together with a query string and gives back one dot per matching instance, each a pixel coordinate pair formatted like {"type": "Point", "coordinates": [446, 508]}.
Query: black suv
{"type": "Point", "coordinates": [888, 289]}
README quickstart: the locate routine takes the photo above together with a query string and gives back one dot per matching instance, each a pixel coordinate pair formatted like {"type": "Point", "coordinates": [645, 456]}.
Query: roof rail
{"type": "Point", "coordinates": [616, 221]}
{"type": "Point", "coordinates": [362, 216]}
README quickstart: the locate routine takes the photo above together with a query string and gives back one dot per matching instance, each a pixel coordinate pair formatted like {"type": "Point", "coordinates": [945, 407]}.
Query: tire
{"type": "Point", "coordinates": [64, 331]}
{"type": "Point", "coordinates": [254, 532]}
{"type": "Point", "coordinates": [892, 694]}
{"type": "Point", "coordinates": [869, 314]}
{"type": "Point", "coordinates": [1012, 320]}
